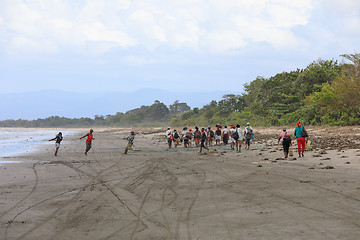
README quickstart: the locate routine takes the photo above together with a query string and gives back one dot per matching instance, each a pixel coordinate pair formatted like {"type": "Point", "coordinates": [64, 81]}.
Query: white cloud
{"type": "Point", "coordinates": [96, 31]}
{"type": "Point", "coordinates": [139, 60]}
{"type": "Point", "coordinates": [205, 25]}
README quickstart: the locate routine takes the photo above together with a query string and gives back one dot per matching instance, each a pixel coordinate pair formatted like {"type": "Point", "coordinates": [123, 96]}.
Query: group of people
{"type": "Point", "coordinates": [300, 134]}
{"type": "Point", "coordinates": [58, 138]}
{"type": "Point", "coordinates": [205, 137]}
{"type": "Point", "coordinates": [89, 138]}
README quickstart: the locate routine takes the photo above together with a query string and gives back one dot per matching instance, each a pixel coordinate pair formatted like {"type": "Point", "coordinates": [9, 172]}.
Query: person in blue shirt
{"type": "Point", "coordinates": [300, 135]}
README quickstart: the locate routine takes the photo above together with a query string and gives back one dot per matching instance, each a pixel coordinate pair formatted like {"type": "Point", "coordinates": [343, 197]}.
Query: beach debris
{"type": "Point", "coordinates": [328, 167]}
{"type": "Point", "coordinates": [344, 157]}
{"type": "Point", "coordinates": [259, 165]}
{"type": "Point", "coordinates": [305, 181]}
{"type": "Point", "coordinates": [317, 155]}
{"type": "Point", "coordinates": [347, 163]}
{"type": "Point", "coordinates": [325, 159]}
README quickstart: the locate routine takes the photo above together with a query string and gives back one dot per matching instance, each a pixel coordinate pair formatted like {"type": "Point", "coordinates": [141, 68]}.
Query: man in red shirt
{"type": "Point", "coordinates": [89, 139]}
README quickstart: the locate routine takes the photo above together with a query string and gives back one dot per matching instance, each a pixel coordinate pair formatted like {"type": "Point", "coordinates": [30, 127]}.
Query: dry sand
{"type": "Point", "coordinates": [155, 193]}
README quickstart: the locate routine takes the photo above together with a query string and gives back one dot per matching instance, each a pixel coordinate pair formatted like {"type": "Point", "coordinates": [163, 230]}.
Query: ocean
{"type": "Point", "coordinates": [15, 141]}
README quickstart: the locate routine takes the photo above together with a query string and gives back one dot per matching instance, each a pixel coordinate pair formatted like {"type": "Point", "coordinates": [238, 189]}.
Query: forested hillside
{"type": "Point", "coordinates": [324, 93]}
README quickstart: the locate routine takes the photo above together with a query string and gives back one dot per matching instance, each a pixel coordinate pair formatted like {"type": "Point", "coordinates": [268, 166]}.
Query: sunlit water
{"type": "Point", "coordinates": [19, 141]}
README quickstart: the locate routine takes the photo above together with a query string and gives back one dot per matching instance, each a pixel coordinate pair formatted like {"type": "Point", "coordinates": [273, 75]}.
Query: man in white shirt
{"type": "Point", "coordinates": [240, 139]}
{"type": "Point", "coordinates": [169, 137]}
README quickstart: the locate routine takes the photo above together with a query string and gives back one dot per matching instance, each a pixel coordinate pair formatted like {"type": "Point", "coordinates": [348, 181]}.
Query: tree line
{"type": "Point", "coordinates": [156, 114]}
{"type": "Point", "coordinates": [326, 92]}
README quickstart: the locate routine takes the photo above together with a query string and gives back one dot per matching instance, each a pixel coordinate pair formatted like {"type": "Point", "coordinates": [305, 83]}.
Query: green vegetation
{"type": "Point", "coordinates": [157, 114]}
{"type": "Point", "coordinates": [324, 93]}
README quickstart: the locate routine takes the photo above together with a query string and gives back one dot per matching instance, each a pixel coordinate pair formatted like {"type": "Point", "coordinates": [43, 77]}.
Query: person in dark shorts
{"type": "Point", "coordinates": [185, 137]}
{"type": "Point", "coordinates": [58, 140]}
{"type": "Point", "coordinates": [248, 136]}
{"type": "Point", "coordinates": [89, 139]}
{"type": "Point", "coordinates": [286, 141]}
{"type": "Point", "coordinates": [203, 139]}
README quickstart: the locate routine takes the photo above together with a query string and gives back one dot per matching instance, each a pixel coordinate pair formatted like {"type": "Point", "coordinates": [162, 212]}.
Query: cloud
{"type": "Point", "coordinates": [200, 25]}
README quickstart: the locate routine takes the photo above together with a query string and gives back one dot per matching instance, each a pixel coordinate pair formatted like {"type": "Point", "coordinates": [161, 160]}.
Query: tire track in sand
{"type": "Point", "coordinates": [70, 201]}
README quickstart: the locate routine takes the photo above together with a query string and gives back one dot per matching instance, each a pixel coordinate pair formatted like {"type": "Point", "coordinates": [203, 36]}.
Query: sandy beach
{"type": "Point", "coordinates": [156, 193]}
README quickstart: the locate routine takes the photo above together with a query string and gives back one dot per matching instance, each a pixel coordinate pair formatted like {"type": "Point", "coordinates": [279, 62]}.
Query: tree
{"type": "Point", "coordinates": [342, 95]}
{"type": "Point", "coordinates": [177, 108]}
{"type": "Point", "coordinates": [158, 111]}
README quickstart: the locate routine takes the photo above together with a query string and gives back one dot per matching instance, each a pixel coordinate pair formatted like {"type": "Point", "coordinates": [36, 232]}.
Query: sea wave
{"type": "Point", "coordinates": [14, 141]}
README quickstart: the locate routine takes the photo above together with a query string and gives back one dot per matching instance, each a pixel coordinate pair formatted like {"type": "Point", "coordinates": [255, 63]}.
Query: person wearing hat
{"type": "Point", "coordinates": [286, 141]}
{"type": "Point", "coordinates": [130, 139]}
{"type": "Point", "coordinates": [58, 140]}
{"type": "Point", "coordinates": [300, 134]}
{"type": "Point", "coordinates": [89, 139]}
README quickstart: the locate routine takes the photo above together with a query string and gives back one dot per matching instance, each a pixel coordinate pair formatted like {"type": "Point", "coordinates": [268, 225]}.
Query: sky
{"type": "Point", "coordinates": [176, 45]}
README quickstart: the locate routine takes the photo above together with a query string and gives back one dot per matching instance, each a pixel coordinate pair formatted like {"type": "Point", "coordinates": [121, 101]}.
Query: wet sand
{"type": "Point", "coordinates": [155, 193]}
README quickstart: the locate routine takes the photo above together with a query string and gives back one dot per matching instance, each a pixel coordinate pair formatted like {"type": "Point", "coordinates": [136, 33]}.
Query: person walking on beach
{"type": "Point", "coordinates": [300, 134]}
{"type": "Point", "coordinates": [203, 139]}
{"type": "Point", "coordinates": [225, 135]}
{"type": "Point", "coordinates": [176, 138]}
{"type": "Point", "coordinates": [207, 136]}
{"type": "Point", "coordinates": [185, 137]}
{"type": "Point", "coordinates": [197, 136]}
{"type": "Point", "coordinates": [211, 136]}
{"type": "Point", "coordinates": [169, 136]}
{"type": "Point", "coordinates": [58, 140]}
{"type": "Point", "coordinates": [239, 141]}
{"type": "Point", "coordinates": [130, 144]}
{"type": "Point", "coordinates": [218, 134]}
{"type": "Point", "coordinates": [89, 139]}
{"type": "Point", "coordinates": [232, 137]}
{"type": "Point", "coordinates": [190, 135]}
{"type": "Point", "coordinates": [248, 135]}
{"type": "Point", "coordinates": [286, 142]}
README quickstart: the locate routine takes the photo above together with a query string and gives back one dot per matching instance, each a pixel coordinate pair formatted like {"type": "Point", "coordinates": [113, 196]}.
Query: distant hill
{"type": "Point", "coordinates": [43, 104]}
